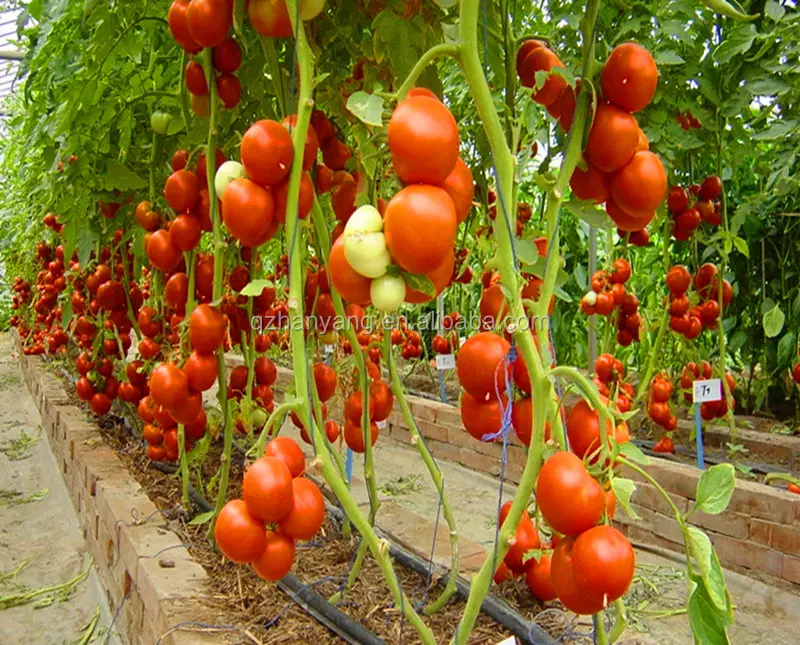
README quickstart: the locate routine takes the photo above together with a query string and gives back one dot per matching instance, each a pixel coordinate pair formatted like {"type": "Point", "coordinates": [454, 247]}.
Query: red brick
{"type": "Point", "coordinates": [647, 496]}
{"type": "Point", "coordinates": [442, 450]}
{"type": "Point", "coordinates": [761, 531]}
{"type": "Point", "coordinates": [448, 415]}
{"type": "Point", "coordinates": [791, 569]}
{"type": "Point", "coordinates": [479, 462]}
{"type": "Point", "coordinates": [733, 524]}
{"type": "Point", "coordinates": [421, 409]}
{"type": "Point", "coordinates": [636, 533]}
{"type": "Point", "coordinates": [491, 448]}
{"type": "Point", "coordinates": [432, 430]}
{"type": "Point", "coordinates": [765, 502]}
{"type": "Point", "coordinates": [673, 477]}
{"type": "Point", "coordinates": [747, 554]}
{"type": "Point", "coordinates": [786, 539]}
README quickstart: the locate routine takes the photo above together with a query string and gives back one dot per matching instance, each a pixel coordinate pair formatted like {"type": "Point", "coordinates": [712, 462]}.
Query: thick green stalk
{"type": "Point", "coordinates": [219, 254]}
{"type": "Point", "coordinates": [504, 163]}
{"type": "Point", "coordinates": [271, 54]}
{"type": "Point", "coordinates": [379, 548]}
{"type": "Point", "coordinates": [433, 469]}
{"type": "Point", "coordinates": [278, 413]}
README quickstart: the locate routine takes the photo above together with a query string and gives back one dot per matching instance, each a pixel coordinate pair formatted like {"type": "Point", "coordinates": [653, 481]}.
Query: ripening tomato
{"type": "Point", "coordinates": [423, 139]}
{"type": "Point", "coordinates": [351, 286]}
{"type": "Point", "coordinates": [176, 291]}
{"type": "Point", "coordinates": [629, 77]}
{"type": "Point", "coordinates": [570, 499]}
{"type": "Point", "coordinates": [240, 535]}
{"type": "Point", "coordinates": [414, 209]}
{"type": "Point", "coordinates": [678, 280]}
{"type": "Point", "coordinates": [307, 513]}
{"type": "Point", "coordinates": [276, 559]}
{"type": "Point", "coordinates": [526, 539]}
{"type": "Point", "coordinates": [711, 188]}
{"type": "Point", "coordinates": [604, 562]}
{"type": "Point", "coordinates": [185, 232]}
{"type": "Point", "coordinates": [156, 453]}
{"type": "Point", "coordinates": [325, 381]}
{"type": "Point", "coordinates": [84, 389]}
{"type": "Point", "coordinates": [270, 18]}
{"type": "Point", "coordinates": [461, 188]}
{"type": "Point", "coordinates": [195, 78]}
{"type": "Point", "coordinates": [624, 220]}
{"type": "Point", "coordinates": [179, 26]}
{"type": "Point", "coordinates": [169, 386]}
{"type": "Point", "coordinates": [267, 489]}
{"type": "Point", "coordinates": [480, 365]}
{"type": "Point", "coordinates": [590, 184]}
{"type": "Point", "coordinates": [229, 90]}
{"type": "Point", "coordinates": [100, 403]}
{"type": "Point", "coordinates": [381, 400]}
{"type": "Point", "coordinates": [564, 578]}
{"type": "Point", "coordinates": [209, 21]}
{"type": "Point", "coordinates": [705, 279]}
{"type": "Point", "coordinates": [288, 452]}
{"type": "Point", "coordinates": [201, 371]}
{"type": "Point", "coordinates": [640, 186]}
{"type": "Point", "coordinates": [187, 411]}
{"type": "Point", "coordinates": [305, 201]}
{"type": "Point", "coordinates": [181, 190]}
{"type": "Point", "coordinates": [677, 200]}
{"type": "Point", "coordinates": [481, 417]}
{"type": "Point", "coordinates": [522, 420]}
{"type": "Point", "coordinates": [583, 429]}
{"type": "Point", "coordinates": [227, 56]}
{"type": "Point", "coordinates": [612, 138]}
{"type": "Point", "coordinates": [267, 152]}
{"type": "Point", "coordinates": [543, 59]}
{"type": "Point", "coordinates": [311, 146]}
{"type": "Point", "coordinates": [526, 78]}
{"type": "Point", "coordinates": [538, 578]}
{"type": "Point", "coordinates": [247, 211]}
{"type": "Point", "coordinates": [206, 329]}
{"type": "Point", "coordinates": [161, 252]}
{"type": "Point", "coordinates": [354, 436]}
{"type": "Point", "coordinates": [522, 379]}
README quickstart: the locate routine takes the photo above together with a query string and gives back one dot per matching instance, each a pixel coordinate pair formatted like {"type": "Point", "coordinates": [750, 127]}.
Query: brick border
{"type": "Point", "coordinates": [150, 579]}
{"type": "Point", "coordinates": [758, 535]}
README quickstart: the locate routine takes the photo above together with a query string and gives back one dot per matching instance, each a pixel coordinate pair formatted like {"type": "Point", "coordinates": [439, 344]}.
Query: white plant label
{"type": "Point", "coordinates": [708, 390]}
{"type": "Point", "coordinates": [329, 349]}
{"type": "Point", "coordinates": [445, 361]}
{"type": "Point", "coordinates": [381, 425]}
{"type": "Point", "coordinates": [511, 640]}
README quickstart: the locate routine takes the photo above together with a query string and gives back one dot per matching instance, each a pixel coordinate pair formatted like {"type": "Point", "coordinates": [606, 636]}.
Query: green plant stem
{"type": "Point", "coordinates": [443, 49]}
{"type": "Point", "coordinates": [655, 356]}
{"type": "Point", "coordinates": [278, 413]}
{"type": "Point", "coordinates": [152, 169]}
{"type": "Point", "coordinates": [600, 636]}
{"type": "Point", "coordinates": [182, 93]}
{"type": "Point", "coordinates": [184, 464]}
{"type": "Point", "coordinates": [781, 477]}
{"type": "Point", "coordinates": [271, 54]}
{"type": "Point", "coordinates": [620, 624]}
{"type": "Point", "coordinates": [433, 469]}
{"type": "Point", "coordinates": [219, 255]}
{"type": "Point", "coordinates": [378, 548]}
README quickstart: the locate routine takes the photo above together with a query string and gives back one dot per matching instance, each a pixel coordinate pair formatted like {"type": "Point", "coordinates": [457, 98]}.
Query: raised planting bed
{"type": "Point", "coordinates": [165, 583]}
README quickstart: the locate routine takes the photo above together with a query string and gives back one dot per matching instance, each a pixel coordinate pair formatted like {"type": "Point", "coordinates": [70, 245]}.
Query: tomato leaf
{"type": "Point", "coordinates": [773, 321]}
{"type": "Point", "coordinates": [632, 453]}
{"type": "Point", "coordinates": [708, 565]}
{"type": "Point", "coordinates": [367, 108]}
{"type": "Point", "coordinates": [255, 287]}
{"type": "Point", "coordinates": [588, 211]}
{"type": "Point", "coordinates": [715, 488]}
{"type": "Point", "coordinates": [528, 254]}
{"type": "Point", "coordinates": [623, 489]}
{"type": "Point", "coordinates": [120, 176]}
{"type": "Point", "coordinates": [533, 554]}
{"type": "Point", "coordinates": [421, 283]}
{"type": "Point", "coordinates": [668, 57]}
{"type": "Point", "coordinates": [707, 622]}
{"type": "Point", "coordinates": [203, 518]}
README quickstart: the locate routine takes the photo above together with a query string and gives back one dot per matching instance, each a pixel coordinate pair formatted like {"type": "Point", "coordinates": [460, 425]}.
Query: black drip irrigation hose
{"type": "Point", "coordinates": [492, 606]}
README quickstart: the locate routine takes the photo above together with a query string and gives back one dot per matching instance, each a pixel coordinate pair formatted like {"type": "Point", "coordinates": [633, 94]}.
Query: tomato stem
{"type": "Point", "coordinates": [433, 469]}
{"type": "Point", "coordinates": [443, 49]}
{"type": "Point", "coordinates": [275, 420]}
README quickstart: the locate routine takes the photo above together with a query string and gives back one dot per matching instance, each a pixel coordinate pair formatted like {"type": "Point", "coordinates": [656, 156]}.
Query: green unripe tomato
{"type": "Point", "coordinates": [159, 121]}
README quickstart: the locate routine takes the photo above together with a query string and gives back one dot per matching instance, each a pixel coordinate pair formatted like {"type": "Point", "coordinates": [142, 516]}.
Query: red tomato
{"type": "Point", "coordinates": [543, 59]}
{"type": "Point", "coordinates": [179, 26]}
{"type": "Point", "coordinates": [325, 380]}
{"type": "Point", "coordinates": [277, 558]}
{"type": "Point", "coordinates": [564, 579]}
{"type": "Point", "coordinates": [603, 562]}
{"type": "Point", "coordinates": [195, 78]}
{"type": "Point", "coordinates": [538, 579]}
{"type": "Point", "coordinates": [206, 329]}
{"type": "Point", "coordinates": [240, 536]}
{"type": "Point", "coordinates": [354, 436]}
{"type": "Point", "coordinates": [169, 386]}
{"type": "Point", "coordinates": [639, 187]}
{"type": "Point", "coordinates": [569, 498]}
{"type": "Point", "coordinates": [229, 90]}
{"type": "Point", "coordinates": [308, 511]}
{"type": "Point", "coordinates": [247, 211]}
{"type": "Point", "coordinates": [711, 188]}
{"type": "Point", "coordinates": [480, 365]}
{"type": "Point", "coordinates": [311, 146]}
{"type": "Point", "coordinates": [161, 252]}
{"type": "Point", "coordinates": [181, 190]}
{"type": "Point", "coordinates": [629, 77]}
{"type": "Point", "coordinates": [481, 417]}
{"type": "Point", "coordinates": [590, 184]}
{"type": "Point", "coordinates": [525, 77]}
{"type": "Point", "coordinates": [267, 489]}
{"type": "Point", "coordinates": [267, 152]}
{"type": "Point", "coordinates": [583, 429]}
{"type": "Point", "coordinates": [270, 18]}
{"type": "Point", "coordinates": [227, 56]}
{"type": "Point", "coordinates": [612, 139]}
{"type": "Point", "coordinates": [209, 21]}
{"type": "Point", "coordinates": [677, 200]}
{"type": "Point", "coordinates": [423, 140]}
{"type": "Point", "coordinates": [288, 452]}
{"type": "Point", "coordinates": [100, 403]}
{"type": "Point", "coordinates": [84, 389]}
{"type": "Point", "coordinates": [185, 232]}
{"type": "Point", "coordinates": [526, 539]}
{"type": "Point", "coordinates": [461, 188]}
{"type": "Point", "coordinates": [522, 420]}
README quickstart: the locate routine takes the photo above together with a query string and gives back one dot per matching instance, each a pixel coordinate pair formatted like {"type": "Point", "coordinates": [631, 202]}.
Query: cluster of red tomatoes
{"type": "Point", "coordinates": [379, 407]}
{"type": "Point", "coordinates": [410, 342]}
{"type": "Point", "coordinates": [658, 410]}
{"type": "Point", "coordinates": [278, 506]}
{"type": "Point", "coordinates": [687, 121]}
{"type": "Point", "coordinates": [709, 410]}
{"type": "Point", "coordinates": [226, 58]}
{"type": "Point", "coordinates": [607, 294]}
{"type": "Point", "coordinates": [610, 380]}
{"type": "Point", "coordinates": [444, 344]}
{"type": "Point", "coordinates": [620, 169]}
{"type": "Point", "coordinates": [524, 211]}
{"type": "Point", "coordinates": [688, 319]}
{"type": "Point", "coordinates": [703, 206]}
